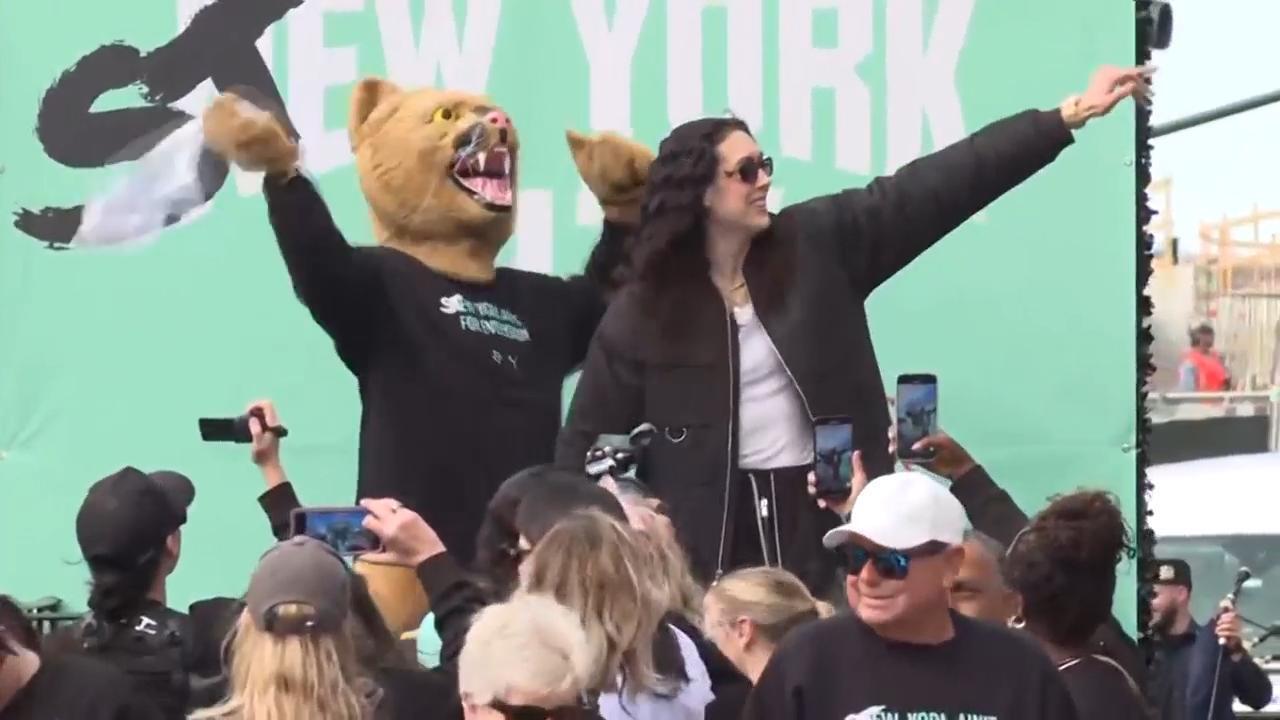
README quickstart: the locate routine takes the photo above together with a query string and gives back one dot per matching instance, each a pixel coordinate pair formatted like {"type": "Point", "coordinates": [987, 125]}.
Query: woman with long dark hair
{"type": "Point", "coordinates": [739, 328]}
{"type": "Point", "coordinates": [1063, 566]}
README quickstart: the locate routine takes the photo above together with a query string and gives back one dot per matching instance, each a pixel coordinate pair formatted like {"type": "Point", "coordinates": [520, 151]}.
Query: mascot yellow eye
{"type": "Point", "coordinates": [443, 113]}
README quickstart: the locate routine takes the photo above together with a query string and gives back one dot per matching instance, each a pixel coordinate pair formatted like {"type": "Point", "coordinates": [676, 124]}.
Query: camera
{"type": "Point", "coordinates": [618, 455]}
{"type": "Point", "coordinates": [236, 430]}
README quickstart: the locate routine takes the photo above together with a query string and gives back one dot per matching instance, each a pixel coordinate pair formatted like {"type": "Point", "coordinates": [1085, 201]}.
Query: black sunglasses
{"type": "Point", "coordinates": [748, 171]}
{"type": "Point", "coordinates": [534, 712]}
{"type": "Point", "coordinates": [889, 564]}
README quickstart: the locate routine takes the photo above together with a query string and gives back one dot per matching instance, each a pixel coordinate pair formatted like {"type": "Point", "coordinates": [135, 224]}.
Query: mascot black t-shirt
{"type": "Point", "coordinates": [460, 382]}
{"type": "Point", "coordinates": [839, 669]}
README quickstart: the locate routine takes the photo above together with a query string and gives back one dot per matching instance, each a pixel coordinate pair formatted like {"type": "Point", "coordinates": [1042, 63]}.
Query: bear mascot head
{"type": "Point", "coordinates": [439, 171]}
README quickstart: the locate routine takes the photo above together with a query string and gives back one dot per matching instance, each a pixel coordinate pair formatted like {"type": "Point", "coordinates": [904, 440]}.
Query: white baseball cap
{"type": "Point", "coordinates": [902, 511]}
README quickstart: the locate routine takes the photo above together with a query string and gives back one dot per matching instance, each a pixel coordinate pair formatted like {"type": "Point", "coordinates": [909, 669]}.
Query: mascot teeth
{"type": "Point", "coordinates": [486, 175]}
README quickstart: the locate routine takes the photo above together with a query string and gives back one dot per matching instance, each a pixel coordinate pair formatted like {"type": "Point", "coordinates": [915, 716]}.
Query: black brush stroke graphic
{"type": "Point", "coordinates": [1143, 213]}
{"type": "Point", "coordinates": [218, 45]}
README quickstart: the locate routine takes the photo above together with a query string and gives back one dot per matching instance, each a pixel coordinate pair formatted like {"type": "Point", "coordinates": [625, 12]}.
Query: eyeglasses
{"type": "Point", "coordinates": [889, 564]}
{"type": "Point", "coordinates": [748, 171]}
{"type": "Point", "coordinates": [534, 712]}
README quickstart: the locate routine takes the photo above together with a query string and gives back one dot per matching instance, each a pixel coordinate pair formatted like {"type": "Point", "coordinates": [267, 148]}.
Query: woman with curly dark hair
{"type": "Point", "coordinates": [1063, 565]}
{"type": "Point", "coordinates": [739, 328]}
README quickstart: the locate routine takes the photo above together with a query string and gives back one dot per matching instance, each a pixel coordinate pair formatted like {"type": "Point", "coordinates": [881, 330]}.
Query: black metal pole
{"type": "Point", "coordinates": [1217, 113]}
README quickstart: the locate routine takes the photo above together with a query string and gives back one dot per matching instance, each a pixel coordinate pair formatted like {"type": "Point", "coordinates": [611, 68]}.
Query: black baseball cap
{"type": "Point", "coordinates": [1172, 571]}
{"type": "Point", "coordinates": [128, 515]}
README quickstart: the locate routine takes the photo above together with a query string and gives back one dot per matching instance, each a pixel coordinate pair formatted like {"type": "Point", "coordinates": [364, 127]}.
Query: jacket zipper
{"type": "Point", "coordinates": [783, 362]}
{"type": "Point", "coordinates": [808, 411]}
{"type": "Point", "coordinates": [728, 466]}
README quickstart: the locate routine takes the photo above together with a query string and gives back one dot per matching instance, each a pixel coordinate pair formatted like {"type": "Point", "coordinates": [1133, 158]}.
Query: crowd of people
{"type": "Point", "coordinates": [582, 604]}
{"type": "Point", "coordinates": [717, 582]}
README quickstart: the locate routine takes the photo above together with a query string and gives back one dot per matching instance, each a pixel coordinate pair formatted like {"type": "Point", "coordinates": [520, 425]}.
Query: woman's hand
{"type": "Point", "coordinates": [843, 506]}
{"type": "Point", "coordinates": [1108, 86]}
{"type": "Point", "coordinates": [407, 539]}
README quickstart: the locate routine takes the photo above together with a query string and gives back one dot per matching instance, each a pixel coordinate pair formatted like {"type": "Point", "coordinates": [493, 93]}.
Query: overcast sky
{"type": "Point", "coordinates": [1220, 53]}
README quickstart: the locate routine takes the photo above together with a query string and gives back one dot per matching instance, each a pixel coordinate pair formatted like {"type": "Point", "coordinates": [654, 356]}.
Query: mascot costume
{"type": "Point", "coordinates": [460, 364]}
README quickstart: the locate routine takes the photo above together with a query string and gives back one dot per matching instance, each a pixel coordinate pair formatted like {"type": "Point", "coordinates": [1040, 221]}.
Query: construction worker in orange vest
{"type": "Point", "coordinates": [1203, 369]}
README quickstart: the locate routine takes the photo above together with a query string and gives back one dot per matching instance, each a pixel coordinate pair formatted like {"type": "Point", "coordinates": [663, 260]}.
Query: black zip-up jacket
{"type": "Point", "coordinates": [668, 356]}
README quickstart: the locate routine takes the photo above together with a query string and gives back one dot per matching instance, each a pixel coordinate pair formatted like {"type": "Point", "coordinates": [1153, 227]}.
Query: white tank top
{"type": "Point", "coordinates": [774, 429]}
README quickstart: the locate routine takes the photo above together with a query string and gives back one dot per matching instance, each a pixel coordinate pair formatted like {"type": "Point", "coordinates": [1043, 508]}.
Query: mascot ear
{"type": "Point", "coordinates": [578, 144]}
{"type": "Point", "coordinates": [608, 162]}
{"type": "Point", "coordinates": [615, 170]}
{"type": "Point", "coordinates": [369, 95]}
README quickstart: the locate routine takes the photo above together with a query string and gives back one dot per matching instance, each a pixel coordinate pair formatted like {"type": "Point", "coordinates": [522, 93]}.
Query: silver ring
{"type": "Point", "coordinates": [684, 433]}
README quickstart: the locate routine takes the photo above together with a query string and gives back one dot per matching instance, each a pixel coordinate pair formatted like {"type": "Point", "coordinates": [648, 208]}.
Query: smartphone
{"type": "Point", "coordinates": [832, 455]}
{"type": "Point", "coordinates": [342, 528]}
{"type": "Point", "coordinates": [917, 413]}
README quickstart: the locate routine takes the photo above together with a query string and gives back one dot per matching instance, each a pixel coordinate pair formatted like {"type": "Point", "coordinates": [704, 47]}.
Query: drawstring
{"type": "Point", "coordinates": [777, 539]}
{"type": "Point", "coordinates": [762, 510]}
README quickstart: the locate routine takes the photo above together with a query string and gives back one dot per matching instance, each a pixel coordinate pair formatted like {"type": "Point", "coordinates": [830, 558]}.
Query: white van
{"type": "Point", "coordinates": [1219, 514]}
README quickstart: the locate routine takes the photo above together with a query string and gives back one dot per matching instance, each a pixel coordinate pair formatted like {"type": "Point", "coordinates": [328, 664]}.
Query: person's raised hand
{"type": "Point", "coordinates": [950, 459]}
{"type": "Point", "coordinates": [1230, 629]}
{"type": "Point", "coordinates": [265, 450]}
{"type": "Point", "coordinates": [1108, 86]}
{"type": "Point", "coordinates": [842, 506]}
{"type": "Point", "coordinates": [406, 538]}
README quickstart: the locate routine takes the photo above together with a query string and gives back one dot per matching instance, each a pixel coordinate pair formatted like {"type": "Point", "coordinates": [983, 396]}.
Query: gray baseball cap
{"type": "Point", "coordinates": [300, 570]}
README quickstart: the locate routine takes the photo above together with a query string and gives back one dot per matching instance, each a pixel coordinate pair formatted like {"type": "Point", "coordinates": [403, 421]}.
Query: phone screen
{"type": "Point", "coordinates": [833, 455]}
{"type": "Point", "coordinates": [917, 411]}
{"type": "Point", "coordinates": [341, 528]}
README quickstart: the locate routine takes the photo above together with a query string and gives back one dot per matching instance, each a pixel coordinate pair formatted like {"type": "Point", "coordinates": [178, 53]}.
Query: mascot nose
{"type": "Point", "coordinates": [498, 119]}
{"type": "Point", "coordinates": [501, 121]}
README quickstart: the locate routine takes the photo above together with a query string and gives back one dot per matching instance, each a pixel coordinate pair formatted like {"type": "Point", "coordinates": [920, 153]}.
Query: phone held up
{"type": "Point", "coordinates": [917, 415]}
{"type": "Point", "coordinates": [236, 430]}
{"type": "Point", "coordinates": [833, 456]}
{"type": "Point", "coordinates": [342, 528]}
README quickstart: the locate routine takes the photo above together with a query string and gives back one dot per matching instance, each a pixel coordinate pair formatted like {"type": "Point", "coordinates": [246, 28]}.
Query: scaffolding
{"type": "Point", "coordinates": [1237, 286]}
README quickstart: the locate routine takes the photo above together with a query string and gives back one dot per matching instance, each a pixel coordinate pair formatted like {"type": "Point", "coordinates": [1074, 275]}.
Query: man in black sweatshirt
{"type": "Point", "coordinates": [460, 364]}
{"type": "Point", "coordinates": [904, 653]}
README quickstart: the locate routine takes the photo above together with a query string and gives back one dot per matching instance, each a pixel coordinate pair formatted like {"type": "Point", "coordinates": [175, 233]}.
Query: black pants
{"type": "Point", "coordinates": [773, 521]}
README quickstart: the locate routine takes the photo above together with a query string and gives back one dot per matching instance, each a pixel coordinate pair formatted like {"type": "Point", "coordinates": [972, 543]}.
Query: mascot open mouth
{"type": "Point", "coordinates": [486, 175]}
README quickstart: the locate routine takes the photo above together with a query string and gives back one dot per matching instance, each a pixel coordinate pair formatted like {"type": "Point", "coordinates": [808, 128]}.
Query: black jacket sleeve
{"type": "Point", "coordinates": [890, 222]}
{"type": "Point", "coordinates": [590, 292]}
{"type": "Point", "coordinates": [608, 399]}
{"type": "Point", "coordinates": [990, 508]}
{"type": "Point", "coordinates": [1249, 682]}
{"type": "Point", "coordinates": [455, 599]}
{"type": "Point", "coordinates": [337, 283]}
{"type": "Point", "coordinates": [278, 503]}
{"type": "Point", "coordinates": [992, 511]}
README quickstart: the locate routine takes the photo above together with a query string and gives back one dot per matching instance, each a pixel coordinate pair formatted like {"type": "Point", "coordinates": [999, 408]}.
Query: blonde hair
{"type": "Point", "coordinates": [529, 643]}
{"type": "Point", "coordinates": [593, 565]}
{"type": "Point", "coordinates": [293, 676]}
{"type": "Point", "coordinates": [772, 598]}
{"type": "Point", "coordinates": [671, 575]}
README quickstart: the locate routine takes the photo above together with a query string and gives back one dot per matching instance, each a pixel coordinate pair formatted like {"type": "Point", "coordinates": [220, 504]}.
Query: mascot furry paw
{"type": "Point", "coordinates": [459, 363]}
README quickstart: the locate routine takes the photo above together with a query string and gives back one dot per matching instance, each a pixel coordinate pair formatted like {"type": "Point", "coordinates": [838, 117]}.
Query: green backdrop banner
{"type": "Point", "coordinates": [108, 357]}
